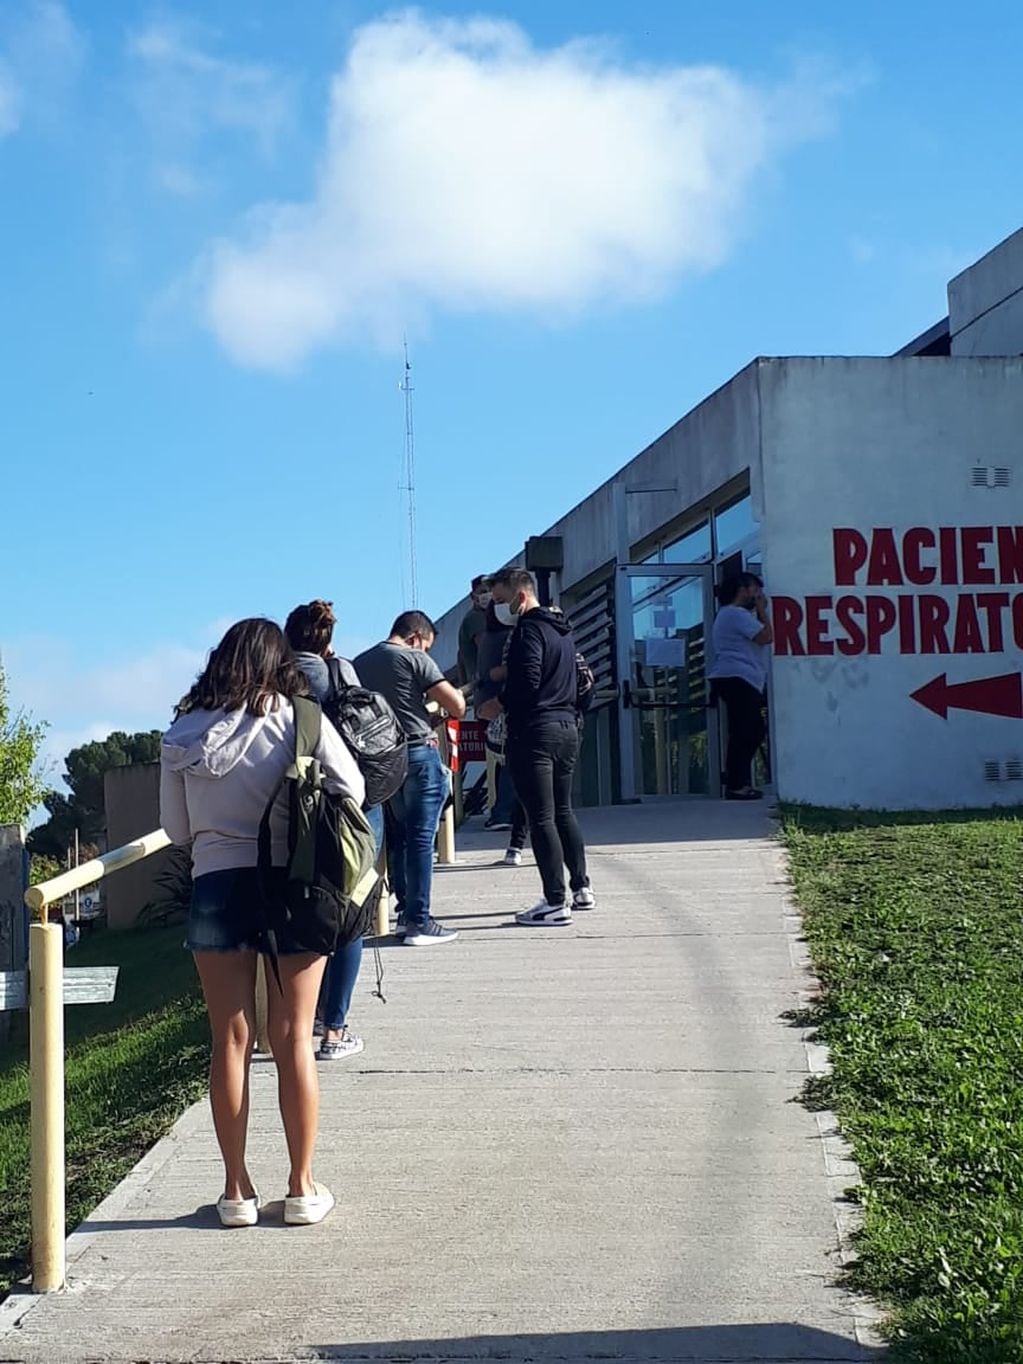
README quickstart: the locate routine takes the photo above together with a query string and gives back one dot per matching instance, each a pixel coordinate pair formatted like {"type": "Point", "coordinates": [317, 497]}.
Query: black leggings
{"type": "Point", "coordinates": [744, 706]}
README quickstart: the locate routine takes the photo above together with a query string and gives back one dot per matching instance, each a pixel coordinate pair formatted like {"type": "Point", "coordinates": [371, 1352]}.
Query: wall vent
{"type": "Point", "coordinates": [988, 476]}
{"type": "Point", "coordinates": [1010, 770]}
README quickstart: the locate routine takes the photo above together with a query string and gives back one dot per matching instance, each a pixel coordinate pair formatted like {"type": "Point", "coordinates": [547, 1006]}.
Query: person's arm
{"type": "Point", "coordinates": [449, 698]}
{"type": "Point", "coordinates": [174, 806]}
{"type": "Point", "coordinates": [341, 774]}
{"type": "Point", "coordinates": [527, 652]}
{"type": "Point", "coordinates": [766, 633]}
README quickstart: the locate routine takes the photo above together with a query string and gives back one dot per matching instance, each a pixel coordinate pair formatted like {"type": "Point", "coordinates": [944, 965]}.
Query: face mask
{"type": "Point", "coordinates": [504, 613]}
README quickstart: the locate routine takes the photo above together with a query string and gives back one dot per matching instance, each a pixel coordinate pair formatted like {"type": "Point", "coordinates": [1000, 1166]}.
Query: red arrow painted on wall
{"type": "Point", "coordinates": [988, 695]}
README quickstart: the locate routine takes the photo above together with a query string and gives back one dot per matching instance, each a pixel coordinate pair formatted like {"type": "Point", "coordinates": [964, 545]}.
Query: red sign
{"type": "Point", "coordinates": [988, 695]}
{"type": "Point", "coordinates": [912, 621]}
{"type": "Point", "coordinates": [465, 743]}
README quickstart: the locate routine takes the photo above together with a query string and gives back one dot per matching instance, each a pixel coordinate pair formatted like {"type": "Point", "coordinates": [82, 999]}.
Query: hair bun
{"type": "Point", "coordinates": [321, 613]}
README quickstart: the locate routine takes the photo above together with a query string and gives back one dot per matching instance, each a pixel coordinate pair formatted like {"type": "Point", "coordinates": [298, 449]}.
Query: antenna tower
{"type": "Point", "coordinates": [408, 485]}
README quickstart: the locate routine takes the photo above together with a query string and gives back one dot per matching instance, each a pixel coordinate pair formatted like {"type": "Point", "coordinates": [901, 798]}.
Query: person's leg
{"type": "Point", "coordinates": [229, 987]}
{"type": "Point", "coordinates": [342, 973]}
{"type": "Point", "coordinates": [375, 819]}
{"type": "Point", "coordinates": [425, 792]}
{"type": "Point", "coordinates": [533, 775]}
{"type": "Point", "coordinates": [397, 845]}
{"type": "Point", "coordinates": [505, 798]}
{"type": "Point", "coordinates": [298, 1086]}
{"type": "Point", "coordinates": [519, 826]}
{"type": "Point", "coordinates": [740, 702]}
{"type": "Point", "coordinates": [565, 757]}
{"type": "Point", "coordinates": [753, 736]}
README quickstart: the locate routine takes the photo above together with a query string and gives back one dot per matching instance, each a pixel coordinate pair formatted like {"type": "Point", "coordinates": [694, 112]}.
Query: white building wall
{"type": "Point", "coordinates": [985, 303]}
{"type": "Point", "coordinates": [893, 444]}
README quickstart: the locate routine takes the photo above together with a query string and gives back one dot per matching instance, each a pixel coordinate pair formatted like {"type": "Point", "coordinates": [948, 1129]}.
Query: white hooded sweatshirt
{"type": "Point", "coordinates": [219, 768]}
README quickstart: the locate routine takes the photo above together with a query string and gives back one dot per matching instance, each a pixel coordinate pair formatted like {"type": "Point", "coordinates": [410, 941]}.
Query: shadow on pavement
{"type": "Point", "coordinates": [769, 1343]}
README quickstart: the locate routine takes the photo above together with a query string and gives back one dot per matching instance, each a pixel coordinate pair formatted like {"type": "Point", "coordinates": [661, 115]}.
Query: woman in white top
{"type": "Point", "coordinates": [221, 761]}
{"type": "Point", "coordinates": [742, 633]}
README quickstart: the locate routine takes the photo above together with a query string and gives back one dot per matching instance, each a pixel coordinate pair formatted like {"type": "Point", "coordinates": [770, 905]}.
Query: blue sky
{"type": "Point", "coordinates": [218, 221]}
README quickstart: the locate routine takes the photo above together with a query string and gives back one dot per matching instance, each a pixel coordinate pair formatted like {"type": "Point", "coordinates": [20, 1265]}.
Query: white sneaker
{"type": "Point", "coordinates": [432, 934]}
{"type": "Point", "coordinates": [337, 1048]}
{"type": "Point", "coordinates": [238, 1212]}
{"type": "Point", "coordinates": [307, 1209]}
{"type": "Point", "coordinates": [512, 858]}
{"type": "Point", "coordinates": [584, 899]}
{"type": "Point", "coordinates": [543, 915]}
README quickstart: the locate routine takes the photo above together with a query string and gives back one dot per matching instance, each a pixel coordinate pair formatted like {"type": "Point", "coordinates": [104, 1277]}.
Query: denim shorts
{"type": "Point", "coordinates": [226, 915]}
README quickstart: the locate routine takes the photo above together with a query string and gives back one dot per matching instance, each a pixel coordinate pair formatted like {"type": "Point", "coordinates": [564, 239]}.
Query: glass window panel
{"type": "Point", "coordinates": [733, 524]}
{"type": "Point", "coordinates": [692, 548]}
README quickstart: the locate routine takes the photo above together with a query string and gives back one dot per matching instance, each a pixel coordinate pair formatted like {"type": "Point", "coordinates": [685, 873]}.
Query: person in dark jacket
{"type": "Point", "coordinates": [508, 812]}
{"type": "Point", "coordinates": [539, 700]}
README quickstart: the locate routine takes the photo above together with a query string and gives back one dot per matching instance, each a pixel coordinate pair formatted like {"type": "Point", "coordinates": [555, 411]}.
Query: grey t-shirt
{"type": "Point", "coordinates": [403, 677]}
{"type": "Point", "coordinates": [735, 654]}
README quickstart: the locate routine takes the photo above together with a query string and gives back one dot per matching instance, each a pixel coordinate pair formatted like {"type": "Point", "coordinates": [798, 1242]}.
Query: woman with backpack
{"type": "Point", "coordinates": [310, 629]}
{"type": "Point", "coordinates": [222, 761]}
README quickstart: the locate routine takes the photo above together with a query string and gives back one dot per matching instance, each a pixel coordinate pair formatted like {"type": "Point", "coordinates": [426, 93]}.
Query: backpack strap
{"type": "Point", "coordinates": [308, 715]}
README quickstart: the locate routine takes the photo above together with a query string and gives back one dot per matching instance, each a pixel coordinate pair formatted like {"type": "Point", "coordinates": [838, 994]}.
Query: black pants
{"type": "Point", "coordinates": [744, 706]}
{"type": "Point", "coordinates": [542, 761]}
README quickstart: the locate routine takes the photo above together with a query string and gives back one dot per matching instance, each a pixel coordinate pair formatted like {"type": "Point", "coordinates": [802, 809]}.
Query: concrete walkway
{"type": "Point", "coordinates": [563, 1144]}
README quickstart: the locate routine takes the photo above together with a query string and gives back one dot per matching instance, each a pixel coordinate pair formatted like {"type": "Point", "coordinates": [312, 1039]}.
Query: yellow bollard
{"type": "Point", "coordinates": [446, 838]}
{"type": "Point", "coordinates": [46, 1066]}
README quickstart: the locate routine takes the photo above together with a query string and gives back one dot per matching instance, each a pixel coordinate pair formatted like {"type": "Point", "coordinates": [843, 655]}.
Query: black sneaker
{"type": "Point", "coordinates": [432, 934]}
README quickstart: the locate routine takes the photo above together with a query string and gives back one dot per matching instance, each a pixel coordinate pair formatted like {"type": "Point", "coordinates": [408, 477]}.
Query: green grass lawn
{"type": "Point", "coordinates": [916, 925]}
{"type": "Point", "coordinates": [132, 1066]}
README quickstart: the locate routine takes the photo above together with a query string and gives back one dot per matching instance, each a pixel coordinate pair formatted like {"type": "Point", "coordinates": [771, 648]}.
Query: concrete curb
{"type": "Point", "coordinates": [842, 1171]}
{"type": "Point", "coordinates": [21, 1299]}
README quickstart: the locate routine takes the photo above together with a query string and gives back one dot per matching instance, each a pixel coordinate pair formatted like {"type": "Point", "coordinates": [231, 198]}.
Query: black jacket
{"type": "Point", "coordinates": [541, 681]}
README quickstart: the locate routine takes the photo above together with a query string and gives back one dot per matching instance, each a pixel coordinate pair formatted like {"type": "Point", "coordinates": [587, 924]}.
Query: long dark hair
{"type": "Point", "coordinates": [729, 588]}
{"type": "Point", "coordinates": [251, 666]}
{"type": "Point", "coordinates": [310, 628]}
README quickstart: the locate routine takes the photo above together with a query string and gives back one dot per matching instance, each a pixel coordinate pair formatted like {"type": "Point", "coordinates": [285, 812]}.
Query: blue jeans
{"type": "Point", "coordinates": [413, 818]}
{"type": "Point", "coordinates": [343, 968]}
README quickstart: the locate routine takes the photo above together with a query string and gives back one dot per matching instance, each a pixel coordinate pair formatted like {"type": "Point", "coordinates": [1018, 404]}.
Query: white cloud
{"type": "Point", "coordinates": [41, 52]}
{"type": "Point", "coordinates": [466, 169]}
{"type": "Point", "coordinates": [82, 701]}
{"type": "Point", "coordinates": [185, 92]}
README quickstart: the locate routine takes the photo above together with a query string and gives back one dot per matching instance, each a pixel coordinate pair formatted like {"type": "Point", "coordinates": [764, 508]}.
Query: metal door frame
{"type": "Point", "coordinates": [625, 644]}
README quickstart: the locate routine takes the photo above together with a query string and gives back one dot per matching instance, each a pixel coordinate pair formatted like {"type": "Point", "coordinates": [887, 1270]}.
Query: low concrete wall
{"type": "Point", "coordinates": [132, 799]}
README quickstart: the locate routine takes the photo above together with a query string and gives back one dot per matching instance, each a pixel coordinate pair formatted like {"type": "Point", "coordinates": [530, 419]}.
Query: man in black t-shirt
{"type": "Point", "coordinates": [403, 672]}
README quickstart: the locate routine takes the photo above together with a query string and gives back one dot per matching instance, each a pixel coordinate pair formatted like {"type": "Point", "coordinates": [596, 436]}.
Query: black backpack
{"type": "Point", "coordinates": [372, 731]}
{"type": "Point", "coordinates": [326, 895]}
{"type": "Point", "coordinates": [585, 684]}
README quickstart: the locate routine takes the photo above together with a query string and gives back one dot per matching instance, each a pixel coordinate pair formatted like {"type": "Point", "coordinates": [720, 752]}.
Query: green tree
{"type": "Point", "coordinates": [22, 784]}
{"type": "Point", "coordinates": [83, 809]}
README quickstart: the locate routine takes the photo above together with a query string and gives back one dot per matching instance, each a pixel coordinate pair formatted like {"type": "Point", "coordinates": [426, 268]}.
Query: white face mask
{"type": "Point", "coordinates": [504, 613]}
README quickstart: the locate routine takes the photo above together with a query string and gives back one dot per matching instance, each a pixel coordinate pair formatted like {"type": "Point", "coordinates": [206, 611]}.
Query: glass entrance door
{"type": "Point", "coordinates": [663, 664]}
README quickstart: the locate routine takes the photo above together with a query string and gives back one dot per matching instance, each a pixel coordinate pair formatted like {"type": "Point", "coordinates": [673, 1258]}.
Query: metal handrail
{"type": "Point", "coordinates": [39, 897]}
{"type": "Point", "coordinates": [46, 1054]}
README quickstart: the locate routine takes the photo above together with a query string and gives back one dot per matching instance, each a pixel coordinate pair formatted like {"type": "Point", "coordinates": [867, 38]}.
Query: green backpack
{"type": "Point", "coordinates": [332, 887]}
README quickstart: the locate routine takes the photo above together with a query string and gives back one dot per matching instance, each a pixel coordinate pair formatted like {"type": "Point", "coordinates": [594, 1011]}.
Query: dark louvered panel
{"type": "Point", "coordinates": [592, 617]}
